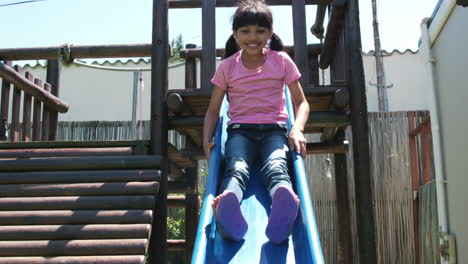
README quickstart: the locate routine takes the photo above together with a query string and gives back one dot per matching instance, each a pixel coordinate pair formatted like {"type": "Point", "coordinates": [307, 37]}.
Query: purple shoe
{"type": "Point", "coordinates": [231, 223]}
{"type": "Point", "coordinates": [284, 208]}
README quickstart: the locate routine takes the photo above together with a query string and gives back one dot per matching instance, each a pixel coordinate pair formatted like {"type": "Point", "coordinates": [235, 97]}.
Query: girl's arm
{"type": "Point", "coordinates": [297, 140]}
{"type": "Point", "coordinates": [211, 118]}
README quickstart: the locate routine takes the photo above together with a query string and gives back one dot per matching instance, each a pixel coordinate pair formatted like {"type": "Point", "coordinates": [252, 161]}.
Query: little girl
{"type": "Point", "coordinates": [253, 74]}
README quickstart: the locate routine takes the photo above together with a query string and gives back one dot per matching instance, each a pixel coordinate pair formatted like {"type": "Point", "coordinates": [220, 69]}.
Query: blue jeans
{"type": "Point", "coordinates": [250, 143]}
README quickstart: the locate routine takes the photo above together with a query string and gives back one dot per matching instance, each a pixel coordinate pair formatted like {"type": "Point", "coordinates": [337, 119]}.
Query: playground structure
{"type": "Point", "coordinates": [116, 183]}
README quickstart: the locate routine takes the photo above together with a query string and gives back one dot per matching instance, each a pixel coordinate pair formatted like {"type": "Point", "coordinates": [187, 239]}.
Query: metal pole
{"type": "Point", "coordinates": [134, 104]}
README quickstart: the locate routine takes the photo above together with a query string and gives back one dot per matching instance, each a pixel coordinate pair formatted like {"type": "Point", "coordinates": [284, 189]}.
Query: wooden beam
{"type": "Point", "coordinates": [208, 58]}
{"type": "Point", "coordinates": [360, 130]}
{"type": "Point", "coordinates": [233, 3]}
{"type": "Point", "coordinates": [71, 144]}
{"type": "Point", "coordinates": [10, 75]}
{"type": "Point", "coordinates": [300, 40]}
{"type": "Point", "coordinates": [157, 252]}
{"type": "Point", "coordinates": [53, 77]}
{"type": "Point", "coordinates": [333, 31]}
{"type": "Point", "coordinates": [317, 29]}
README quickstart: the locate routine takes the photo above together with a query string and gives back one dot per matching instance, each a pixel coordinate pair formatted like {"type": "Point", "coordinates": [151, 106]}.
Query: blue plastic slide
{"type": "Point", "coordinates": [304, 244]}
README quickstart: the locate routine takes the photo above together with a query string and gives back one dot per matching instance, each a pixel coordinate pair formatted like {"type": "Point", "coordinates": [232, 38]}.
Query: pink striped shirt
{"type": "Point", "coordinates": [256, 96]}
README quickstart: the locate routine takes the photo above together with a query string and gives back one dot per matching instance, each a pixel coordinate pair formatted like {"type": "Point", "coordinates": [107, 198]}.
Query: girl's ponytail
{"type": "Point", "coordinates": [231, 47]}
{"type": "Point", "coordinates": [276, 43]}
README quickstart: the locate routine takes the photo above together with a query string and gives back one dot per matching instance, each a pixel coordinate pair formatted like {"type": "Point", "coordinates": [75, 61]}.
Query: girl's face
{"type": "Point", "coordinates": [252, 39]}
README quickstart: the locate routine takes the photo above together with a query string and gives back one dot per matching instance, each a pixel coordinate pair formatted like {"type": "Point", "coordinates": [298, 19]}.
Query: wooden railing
{"type": "Point", "coordinates": [39, 104]}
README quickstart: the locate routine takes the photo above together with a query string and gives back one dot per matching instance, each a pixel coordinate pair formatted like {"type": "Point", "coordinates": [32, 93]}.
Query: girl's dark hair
{"type": "Point", "coordinates": [252, 12]}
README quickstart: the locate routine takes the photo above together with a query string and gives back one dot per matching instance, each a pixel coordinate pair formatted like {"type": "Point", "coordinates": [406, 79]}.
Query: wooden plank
{"type": "Point", "coordinates": [79, 189]}
{"type": "Point", "coordinates": [74, 260]}
{"type": "Point", "coordinates": [46, 117]}
{"type": "Point", "coordinates": [64, 232]}
{"type": "Point", "coordinates": [74, 247]}
{"type": "Point", "coordinates": [79, 176]}
{"type": "Point", "coordinates": [70, 217]}
{"type": "Point", "coordinates": [82, 163]}
{"type": "Point", "coordinates": [333, 31]}
{"type": "Point", "coordinates": [4, 106]}
{"type": "Point", "coordinates": [36, 136]}
{"type": "Point", "coordinates": [300, 40]}
{"type": "Point", "coordinates": [233, 3]}
{"type": "Point", "coordinates": [15, 115]}
{"type": "Point", "coordinates": [65, 152]}
{"type": "Point", "coordinates": [27, 111]}
{"type": "Point", "coordinates": [415, 182]}
{"type": "Point", "coordinates": [78, 203]}
{"type": "Point", "coordinates": [30, 88]}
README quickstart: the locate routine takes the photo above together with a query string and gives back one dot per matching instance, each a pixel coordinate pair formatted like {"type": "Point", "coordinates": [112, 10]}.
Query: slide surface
{"type": "Point", "coordinates": [303, 245]}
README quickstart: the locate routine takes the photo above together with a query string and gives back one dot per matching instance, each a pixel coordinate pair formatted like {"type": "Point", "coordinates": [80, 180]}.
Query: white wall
{"type": "Point", "coordinates": [405, 72]}
{"type": "Point", "coordinates": [451, 75]}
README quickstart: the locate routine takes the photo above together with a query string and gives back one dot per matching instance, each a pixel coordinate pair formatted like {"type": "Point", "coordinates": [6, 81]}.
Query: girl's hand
{"type": "Point", "coordinates": [207, 146]}
{"type": "Point", "coordinates": [298, 142]}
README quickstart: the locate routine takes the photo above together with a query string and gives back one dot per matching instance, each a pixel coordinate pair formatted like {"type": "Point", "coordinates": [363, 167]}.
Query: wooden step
{"type": "Point", "coordinates": [79, 176]}
{"type": "Point", "coordinates": [75, 217]}
{"type": "Point", "coordinates": [73, 247]}
{"type": "Point", "coordinates": [66, 232]}
{"type": "Point", "coordinates": [78, 203]}
{"type": "Point", "coordinates": [82, 163]}
{"type": "Point", "coordinates": [74, 260]}
{"type": "Point", "coordinates": [79, 189]}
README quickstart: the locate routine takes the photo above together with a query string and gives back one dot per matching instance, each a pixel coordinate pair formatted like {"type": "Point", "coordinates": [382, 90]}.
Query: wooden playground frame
{"type": "Point", "coordinates": [333, 107]}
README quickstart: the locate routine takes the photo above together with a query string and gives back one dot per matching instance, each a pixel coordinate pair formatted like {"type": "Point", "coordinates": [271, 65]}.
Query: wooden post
{"type": "Point", "coordinates": [36, 114]}
{"type": "Point", "coordinates": [159, 126]}
{"type": "Point", "coordinates": [27, 112]}
{"type": "Point", "coordinates": [415, 183]}
{"type": "Point", "coordinates": [15, 112]}
{"type": "Point", "coordinates": [208, 61]}
{"type": "Point", "coordinates": [190, 69]}
{"type": "Point", "coordinates": [360, 129]}
{"type": "Point", "coordinates": [192, 206]}
{"type": "Point", "coordinates": [345, 249]}
{"type": "Point", "coordinates": [46, 117]}
{"type": "Point", "coordinates": [53, 77]}
{"type": "Point", "coordinates": [4, 107]}
{"type": "Point", "coordinates": [300, 40]}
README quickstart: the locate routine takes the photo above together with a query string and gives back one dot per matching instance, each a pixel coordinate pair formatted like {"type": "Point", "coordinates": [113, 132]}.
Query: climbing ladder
{"type": "Point", "coordinates": [94, 202]}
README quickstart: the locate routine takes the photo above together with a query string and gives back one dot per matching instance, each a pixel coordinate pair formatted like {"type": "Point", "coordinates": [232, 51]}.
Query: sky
{"type": "Point", "coordinates": [103, 22]}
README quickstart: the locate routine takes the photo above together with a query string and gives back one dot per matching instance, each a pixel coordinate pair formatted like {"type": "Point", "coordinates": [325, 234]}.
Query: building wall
{"type": "Point", "coordinates": [451, 74]}
{"type": "Point", "coordinates": [403, 70]}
